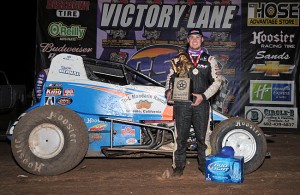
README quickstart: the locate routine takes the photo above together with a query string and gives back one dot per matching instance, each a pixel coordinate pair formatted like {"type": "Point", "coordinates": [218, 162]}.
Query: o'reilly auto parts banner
{"type": "Point", "coordinates": [256, 42]}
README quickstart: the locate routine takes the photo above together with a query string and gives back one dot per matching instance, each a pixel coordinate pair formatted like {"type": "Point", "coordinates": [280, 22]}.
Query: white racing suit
{"type": "Point", "coordinates": [206, 80]}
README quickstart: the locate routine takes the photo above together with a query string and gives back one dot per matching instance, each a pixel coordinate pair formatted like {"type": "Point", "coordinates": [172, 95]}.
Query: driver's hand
{"type": "Point", "coordinates": [169, 96]}
{"type": "Point", "coordinates": [198, 100]}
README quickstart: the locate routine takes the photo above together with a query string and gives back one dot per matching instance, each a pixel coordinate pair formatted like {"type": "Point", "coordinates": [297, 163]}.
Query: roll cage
{"type": "Point", "coordinates": [116, 73]}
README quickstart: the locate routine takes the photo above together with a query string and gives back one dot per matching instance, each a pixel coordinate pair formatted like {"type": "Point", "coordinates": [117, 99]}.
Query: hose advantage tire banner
{"type": "Point", "coordinates": [246, 138]}
{"type": "Point", "coordinates": [49, 140]}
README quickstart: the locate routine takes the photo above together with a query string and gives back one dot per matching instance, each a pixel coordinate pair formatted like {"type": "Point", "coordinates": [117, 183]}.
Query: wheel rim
{"type": "Point", "coordinates": [243, 143]}
{"type": "Point", "coordinates": [46, 140]}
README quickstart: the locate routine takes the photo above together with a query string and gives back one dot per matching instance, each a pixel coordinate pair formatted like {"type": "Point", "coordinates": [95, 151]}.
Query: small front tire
{"type": "Point", "coordinates": [246, 138]}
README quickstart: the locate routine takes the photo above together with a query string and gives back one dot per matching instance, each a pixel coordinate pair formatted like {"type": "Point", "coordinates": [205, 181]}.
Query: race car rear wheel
{"type": "Point", "coordinates": [246, 138]}
{"type": "Point", "coordinates": [49, 140]}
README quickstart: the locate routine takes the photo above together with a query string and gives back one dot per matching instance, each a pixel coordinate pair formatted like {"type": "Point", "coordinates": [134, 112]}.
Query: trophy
{"type": "Point", "coordinates": [182, 83]}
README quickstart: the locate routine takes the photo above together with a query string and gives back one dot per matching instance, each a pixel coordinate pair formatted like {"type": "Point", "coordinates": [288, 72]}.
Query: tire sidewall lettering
{"type": "Point", "coordinates": [75, 135]}
{"type": "Point", "coordinates": [25, 161]}
{"type": "Point", "coordinates": [225, 127]}
{"type": "Point", "coordinates": [30, 165]}
{"type": "Point", "coordinates": [65, 122]}
{"type": "Point", "coordinates": [245, 125]}
{"type": "Point", "coordinates": [22, 156]}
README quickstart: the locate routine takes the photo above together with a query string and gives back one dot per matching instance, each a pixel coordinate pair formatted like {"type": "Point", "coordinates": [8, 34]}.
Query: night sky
{"type": "Point", "coordinates": [18, 42]}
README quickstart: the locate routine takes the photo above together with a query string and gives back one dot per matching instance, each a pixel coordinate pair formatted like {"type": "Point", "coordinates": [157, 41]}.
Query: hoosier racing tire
{"type": "Point", "coordinates": [246, 138]}
{"type": "Point", "coordinates": [49, 140]}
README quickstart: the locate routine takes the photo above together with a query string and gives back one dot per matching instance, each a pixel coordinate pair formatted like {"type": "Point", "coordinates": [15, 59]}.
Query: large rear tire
{"type": "Point", "coordinates": [49, 140]}
{"type": "Point", "coordinates": [246, 138]}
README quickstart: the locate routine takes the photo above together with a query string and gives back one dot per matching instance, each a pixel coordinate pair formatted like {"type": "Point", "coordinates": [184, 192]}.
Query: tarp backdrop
{"type": "Point", "coordinates": [257, 43]}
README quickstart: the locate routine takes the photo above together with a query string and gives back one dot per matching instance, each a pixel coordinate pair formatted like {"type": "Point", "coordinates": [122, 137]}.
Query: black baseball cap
{"type": "Point", "coordinates": [195, 31]}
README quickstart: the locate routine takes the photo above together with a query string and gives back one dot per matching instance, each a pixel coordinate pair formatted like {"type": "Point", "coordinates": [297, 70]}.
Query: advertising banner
{"type": "Point", "coordinates": [256, 42]}
{"type": "Point", "coordinates": [272, 117]}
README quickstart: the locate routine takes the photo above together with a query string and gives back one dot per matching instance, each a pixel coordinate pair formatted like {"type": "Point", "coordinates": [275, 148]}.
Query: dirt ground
{"type": "Point", "coordinates": [279, 174]}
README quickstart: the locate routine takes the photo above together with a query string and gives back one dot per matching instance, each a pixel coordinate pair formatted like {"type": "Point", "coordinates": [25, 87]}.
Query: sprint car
{"type": "Point", "coordinates": [95, 108]}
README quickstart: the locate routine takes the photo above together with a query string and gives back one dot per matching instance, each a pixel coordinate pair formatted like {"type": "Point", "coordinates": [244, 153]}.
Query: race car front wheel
{"type": "Point", "coordinates": [246, 138]}
{"type": "Point", "coordinates": [49, 140]}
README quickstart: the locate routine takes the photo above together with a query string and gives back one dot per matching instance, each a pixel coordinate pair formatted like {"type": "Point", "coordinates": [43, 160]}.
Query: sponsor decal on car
{"type": "Point", "coordinates": [64, 101]}
{"type": "Point", "coordinates": [69, 92]}
{"type": "Point", "coordinates": [128, 130]}
{"type": "Point", "coordinates": [98, 127]}
{"type": "Point", "coordinates": [131, 141]}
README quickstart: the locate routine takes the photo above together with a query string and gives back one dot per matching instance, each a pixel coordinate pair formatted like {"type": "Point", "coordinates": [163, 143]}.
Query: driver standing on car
{"type": "Point", "coordinates": [204, 72]}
